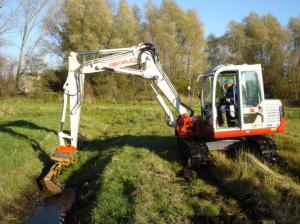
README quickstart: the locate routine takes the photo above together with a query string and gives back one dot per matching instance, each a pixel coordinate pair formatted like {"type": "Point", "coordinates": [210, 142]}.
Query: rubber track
{"type": "Point", "coordinates": [263, 147]}
{"type": "Point", "coordinates": [195, 151]}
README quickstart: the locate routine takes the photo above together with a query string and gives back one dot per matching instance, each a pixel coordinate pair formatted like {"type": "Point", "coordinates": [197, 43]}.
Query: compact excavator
{"type": "Point", "coordinates": [249, 116]}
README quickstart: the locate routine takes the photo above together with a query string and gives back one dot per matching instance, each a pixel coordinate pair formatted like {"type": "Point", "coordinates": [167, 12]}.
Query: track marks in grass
{"type": "Point", "coordinates": [126, 179]}
{"type": "Point", "coordinates": [139, 183]}
{"type": "Point", "coordinates": [139, 187]}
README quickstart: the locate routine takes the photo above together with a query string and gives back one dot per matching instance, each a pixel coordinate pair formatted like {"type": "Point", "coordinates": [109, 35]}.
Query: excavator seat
{"type": "Point", "coordinates": [232, 115]}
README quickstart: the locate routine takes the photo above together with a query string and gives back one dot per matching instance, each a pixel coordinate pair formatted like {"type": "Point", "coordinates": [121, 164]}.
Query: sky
{"type": "Point", "coordinates": [216, 14]}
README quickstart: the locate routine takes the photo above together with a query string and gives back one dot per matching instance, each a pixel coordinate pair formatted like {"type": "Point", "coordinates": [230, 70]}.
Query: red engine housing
{"type": "Point", "coordinates": [187, 127]}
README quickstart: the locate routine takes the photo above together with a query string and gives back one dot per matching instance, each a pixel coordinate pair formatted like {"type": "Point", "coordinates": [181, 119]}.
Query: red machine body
{"type": "Point", "coordinates": [187, 127]}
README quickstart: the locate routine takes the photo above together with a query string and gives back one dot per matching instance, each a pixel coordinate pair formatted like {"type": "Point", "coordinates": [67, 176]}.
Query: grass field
{"type": "Point", "coordinates": [128, 170]}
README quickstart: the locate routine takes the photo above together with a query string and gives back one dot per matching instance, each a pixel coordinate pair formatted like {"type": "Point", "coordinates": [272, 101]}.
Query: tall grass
{"type": "Point", "coordinates": [267, 194]}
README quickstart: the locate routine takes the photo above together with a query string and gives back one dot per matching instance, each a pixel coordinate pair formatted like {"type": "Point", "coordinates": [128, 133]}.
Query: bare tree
{"type": "Point", "coordinates": [54, 24]}
{"type": "Point", "coordinates": [7, 18]}
{"type": "Point", "coordinates": [31, 13]}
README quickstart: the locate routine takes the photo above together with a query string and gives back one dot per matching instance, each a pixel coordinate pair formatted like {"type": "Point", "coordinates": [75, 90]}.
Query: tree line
{"type": "Point", "coordinates": [88, 25]}
{"type": "Point", "coordinates": [263, 40]}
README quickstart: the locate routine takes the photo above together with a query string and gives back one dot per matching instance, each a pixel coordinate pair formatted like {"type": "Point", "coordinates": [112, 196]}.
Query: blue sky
{"type": "Point", "coordinates": [216, 14]}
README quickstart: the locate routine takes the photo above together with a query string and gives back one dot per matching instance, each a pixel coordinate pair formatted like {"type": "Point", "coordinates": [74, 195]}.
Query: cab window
{"type": "Point", "coordinates": [250, 89]}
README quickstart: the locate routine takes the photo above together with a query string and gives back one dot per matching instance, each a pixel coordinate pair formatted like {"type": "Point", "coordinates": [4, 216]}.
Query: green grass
{"type": "Point", "coordinates": [266, 194]}
{"type": "Point", "coordinates": [25, 135]}
{"type": "Point", "coordinates": [289, 144]}
{"type": "Point", "coordinates": [128, 169]}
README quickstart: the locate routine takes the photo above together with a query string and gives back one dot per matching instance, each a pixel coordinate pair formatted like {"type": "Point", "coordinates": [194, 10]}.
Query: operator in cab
{"type": "Point", "coordinates": [228, 99]}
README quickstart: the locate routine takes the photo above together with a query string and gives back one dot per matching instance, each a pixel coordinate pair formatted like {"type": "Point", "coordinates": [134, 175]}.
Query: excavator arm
{"type": "Point", "coordinates": [141, 61]}
{"type": "Point", "coordinates": [145, 61]}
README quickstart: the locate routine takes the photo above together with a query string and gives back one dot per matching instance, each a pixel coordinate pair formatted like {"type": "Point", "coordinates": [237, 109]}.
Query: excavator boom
{"type": "Point", "coordinates": [141, 61]}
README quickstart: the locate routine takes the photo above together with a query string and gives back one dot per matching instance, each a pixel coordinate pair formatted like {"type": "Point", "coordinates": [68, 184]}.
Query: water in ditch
{"type": "Point", "coordinates": [52, 210]}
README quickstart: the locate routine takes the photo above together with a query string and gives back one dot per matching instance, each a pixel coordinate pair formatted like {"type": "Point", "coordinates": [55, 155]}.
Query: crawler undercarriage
{"type": "Point", "coordinates": [196, 151]}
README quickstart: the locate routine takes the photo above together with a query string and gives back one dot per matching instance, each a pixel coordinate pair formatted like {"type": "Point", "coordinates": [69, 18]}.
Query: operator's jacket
{"type": "Point", "coordinates": [230, 94]}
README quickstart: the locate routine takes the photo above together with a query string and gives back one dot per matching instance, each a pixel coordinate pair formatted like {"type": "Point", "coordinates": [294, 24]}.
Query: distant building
{"type": "Point", "coordinates": [29, 83]}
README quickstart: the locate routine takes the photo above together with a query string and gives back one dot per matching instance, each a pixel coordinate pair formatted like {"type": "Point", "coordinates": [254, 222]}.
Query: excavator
{"type": "Point", "coordinates": [249, 116]}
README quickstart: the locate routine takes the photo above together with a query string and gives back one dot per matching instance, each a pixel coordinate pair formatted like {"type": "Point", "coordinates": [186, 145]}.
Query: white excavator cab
{"type": "Point", "coordinates": [247, 110]}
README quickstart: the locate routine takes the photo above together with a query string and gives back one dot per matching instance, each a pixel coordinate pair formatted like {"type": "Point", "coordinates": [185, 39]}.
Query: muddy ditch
{"type": "Point", "coordinates": [52, 209]}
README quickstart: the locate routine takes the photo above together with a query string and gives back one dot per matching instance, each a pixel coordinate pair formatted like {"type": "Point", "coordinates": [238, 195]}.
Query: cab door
{"type": "Point", "coordinates": [251, 97]}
